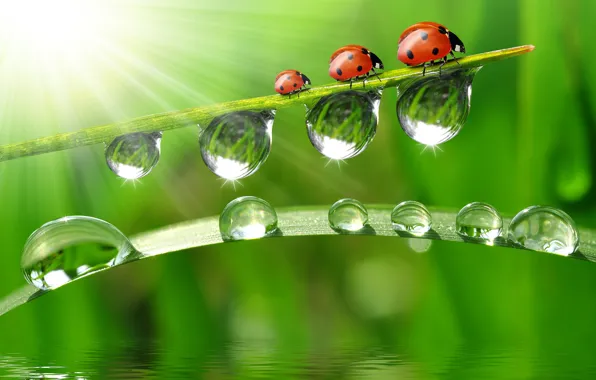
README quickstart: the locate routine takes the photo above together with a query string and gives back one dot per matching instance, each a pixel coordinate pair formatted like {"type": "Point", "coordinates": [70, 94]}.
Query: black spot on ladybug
{"type": "Point", "coordinates": [424, 36]}
{"type": "Point", "coordinates": [435, 51]}
{"type": "Point", "coordinates": [364, 51]}
{"type": "Point", "coordinates": [338, 71]}
{"type": "Point", "coordinates": [295, 84]}
{"type": "Point", "coordinates": [359, 68]}
{"type": "Point", "coordinates": [442, 30]}
{"type": "Point", "coordinates": [281, 88]}
{"type": "Point", "coordinates": [288, 77]}
{"type": "Point", "coordinates": [410, 54]}
{"type": "Point", "coordinates": [350, 56]}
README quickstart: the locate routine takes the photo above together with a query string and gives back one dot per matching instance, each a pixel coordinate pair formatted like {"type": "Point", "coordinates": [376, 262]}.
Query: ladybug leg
{"type": "Point", "coordinates": [423, 69]}
{"type": "Point", "coordinates": [454, 57]}
{"type": "Point", "coordinates": [350, 83]}
{"type": "Point", "coordinates": [442, 64]}
{"type": "Point", "coordinates": [376, 74]}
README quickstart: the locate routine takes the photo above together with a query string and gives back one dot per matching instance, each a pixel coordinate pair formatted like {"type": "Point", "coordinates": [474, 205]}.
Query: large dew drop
{"type": "Point", "coordinates": [479, 221]}
{"type": "Point", "coordinates": [342, 125]}
{"type": "Point", "coordinates": [545, 229]}
{"type": "Point", "coordinates": [134, 155]}
{"type": "Point", "coordinates": [247, 218]}
{"type": "Point", "coordinates": [432, 110]}
{"type": "Point", "coordinates": [234, 145]}
{"type": "Point", "coordinates": [65, 249]}
{"type": "Point", "coordinates": [347, 215]}
{"type": "Point", "coordinates": [411, 217]}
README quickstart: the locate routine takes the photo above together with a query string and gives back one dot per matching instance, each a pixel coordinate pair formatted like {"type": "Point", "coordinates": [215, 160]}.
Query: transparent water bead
{"type": "Point", "coordinates": [341, 126]}
{"type": "Point", "coordinates": [234, 145]}
{"type": "Point", "coordinates": [347, 215]}
{"type": "Point", "coordinates": [247, 218]}
{"type": "Point", "coordinates": [411, 217]}
{"type": "Point", "coordinates": [432, 110]}
{"type": "Point", "coordinates": [546, 229]}
{"type": "Point", "coordinates": [65, 249]}
{"type": "Point", "coordinates": [480, 221]}
{"type": "Point", "coordinates": [134, 155]}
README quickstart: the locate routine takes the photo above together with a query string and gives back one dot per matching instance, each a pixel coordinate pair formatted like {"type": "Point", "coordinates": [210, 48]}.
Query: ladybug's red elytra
{"type": "Point", "coordinates": [353, 62]}
{"type": "Point", "coordinates": [289, 82]}
{"type": "Point", "coordinates": [426, 42]}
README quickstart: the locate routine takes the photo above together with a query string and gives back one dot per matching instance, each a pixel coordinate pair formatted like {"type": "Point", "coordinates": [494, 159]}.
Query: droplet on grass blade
{"type": "Point", "coordinates": [247, 218]}
{"type": "Point", "coordinates": [411, 217]}
{"type": "Point", "coordinates": [347, 215]}
{"type": "Point", "coordinates": [341, 125]}
{"type": "Point", "coordinates": [479, 220]}
{"type": "Point", "coordinates": [68, 248]}
{"type": "Point", "coordinates": [134, 155]}
{"type": "Point", "coordinates": [235, 145]}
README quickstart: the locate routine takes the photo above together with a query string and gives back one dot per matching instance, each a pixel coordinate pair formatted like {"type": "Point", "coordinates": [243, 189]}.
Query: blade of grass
{"type": "Point", "coordinates": [200, 115]}
{"type": "Point", "coordinates": [297, 221]}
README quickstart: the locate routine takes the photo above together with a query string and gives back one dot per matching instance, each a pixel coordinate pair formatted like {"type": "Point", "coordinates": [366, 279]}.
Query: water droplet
{"type": "Point", "coordinates": [432, 110]}
{"type": "Point", "coordinates": [411, 217]}
{"type": "Point", "coordinates": [133, 156]}
{"type": "Point", "coordinates": [247, 218]}
{"type": "Point", "coordinates": [342, 125]}
{"type": "Point", "coordinates": [234, 145]}
{"type": "Point", "coordinates": [65, 249]}
{"type": "Point", "coordinates": [347, 215]}
{"type": "Point", "coordinates": [545, 229]}
{"type": "Point", "coordinates": [479, 220]}
{"type": "Point", "coordinates": [419, 245]}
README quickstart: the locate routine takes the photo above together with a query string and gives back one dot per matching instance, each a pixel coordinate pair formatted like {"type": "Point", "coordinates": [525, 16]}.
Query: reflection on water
{"type": "Point", "coordinates": [240, 360]}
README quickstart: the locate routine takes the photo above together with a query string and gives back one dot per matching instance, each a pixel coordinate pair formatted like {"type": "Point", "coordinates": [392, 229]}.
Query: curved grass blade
{"type": "Point", "coordinates": [301, 221]}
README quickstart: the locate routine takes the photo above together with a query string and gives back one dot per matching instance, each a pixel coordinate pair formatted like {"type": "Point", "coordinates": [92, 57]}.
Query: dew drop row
{"type": "Point", "coordinates": [430, 110]}
{"type": "Point", "coordinates": [69, 248]}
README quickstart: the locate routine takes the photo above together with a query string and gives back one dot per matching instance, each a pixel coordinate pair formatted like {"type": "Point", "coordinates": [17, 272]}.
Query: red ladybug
{"type": "Point", "coordinates": [426, 42]}
{"type": "Point", "coordinates": [353, 62]}
{"type": "Point", "coordinates": [289, 82]}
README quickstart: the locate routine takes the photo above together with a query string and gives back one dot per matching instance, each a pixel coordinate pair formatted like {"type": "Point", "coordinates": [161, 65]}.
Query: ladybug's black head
{"type": "Point", "coordinates": [456, 44]}
{"type": "Point", "coordinates": [376, 61]}
{"type": "Point", "coordinates": [305, 79]}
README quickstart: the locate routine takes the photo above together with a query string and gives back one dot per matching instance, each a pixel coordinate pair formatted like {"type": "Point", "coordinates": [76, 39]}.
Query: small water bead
{"type": "Point", "coordinates": [247, 218]}
{"type": "Point", "coordinates": [134, 155]}
{"type": "Point", "coordinates": [65, 249]}
{"type": "Point", "coordinates": [479, 220]}
{"type": "Point", "coordinates": [234, 145]}
{"type": "Point", "coordinates": [411, 217]}
{"type": "Point", "coordinates": [432, 110]}
{"type": "Point", "coordinates": [347, 215]}
{"type": "Point", "coordinates": [341, 126]}
{"type": "Point", "coordinates": [544, 229]}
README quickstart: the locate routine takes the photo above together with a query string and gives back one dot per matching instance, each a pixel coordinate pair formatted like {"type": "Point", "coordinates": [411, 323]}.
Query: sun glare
{"type": "Point", "coordinates": [60, 26]}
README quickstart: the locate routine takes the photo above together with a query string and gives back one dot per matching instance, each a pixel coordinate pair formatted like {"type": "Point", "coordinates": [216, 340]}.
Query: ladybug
{"type": "Point", "coordinates": [290, 82]}
{"type": "Point", "coordinates": [426, 42]}
{"type": "Point", "coordinates": [353, 62]}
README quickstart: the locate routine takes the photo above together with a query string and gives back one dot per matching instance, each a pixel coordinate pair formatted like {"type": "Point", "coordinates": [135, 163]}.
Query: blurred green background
{"type": "Point", "coordinates": [326, 306]}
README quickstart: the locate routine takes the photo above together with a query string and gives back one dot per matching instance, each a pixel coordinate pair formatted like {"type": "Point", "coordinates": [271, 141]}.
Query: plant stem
{"type": "Point", "coordinates": [203, 114]}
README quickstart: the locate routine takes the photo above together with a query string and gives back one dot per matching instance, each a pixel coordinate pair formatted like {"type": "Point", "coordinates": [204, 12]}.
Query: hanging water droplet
{"type": "Point", "coordinates": [411, 217]}
{"type": "Point", "coordinates": [65, 249]}
{"type": "Point", "coordinates": [419, 245]}
{"type": "Point", "coordinates": [247, 218]}
{"type": "Point", "coordinates": [347, 215]}
{"type": "Point", "coordinates": [432, 110]}
{"type": "Point", "coordinates": [342, 125]}
{"type": "Point", "coordinates": [545, 229]}
{"type": "Point", "coordinates": [479, 220]}
{"type": "Point", "coordinates": [234, 145]}
{"type": "Point", "coordinates": [133, 156]}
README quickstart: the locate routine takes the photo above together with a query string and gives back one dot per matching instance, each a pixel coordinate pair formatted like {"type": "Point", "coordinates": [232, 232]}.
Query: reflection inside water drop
{"type": "Point", "coordinates": [65, 249]}
{"type": "Point", "coordinates": [411, 217]}
{"type": "Point", "coordinates": [342, 125]}
{"type": "Point", "coordinates": [545, 229]}
{"type": "Point", "coordinates": [234, 145]}
{"type": "Point", "coordinates": [347, 215]}
{"type": "Point", "coordinates": [432, 109]}
{"type": "Point", "coordinates": [480, 221]}
{"type": "Point", "coordinates": [247, 218]}
{"type": "Point", "coordinates": [134, 155]}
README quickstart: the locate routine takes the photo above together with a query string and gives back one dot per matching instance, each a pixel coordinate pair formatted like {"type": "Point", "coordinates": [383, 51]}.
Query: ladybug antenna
{"type": "Point", "coordinates": [456, 44]}
{"type": "Point", "coordinates": [305, 79]}
{"type": "Point", "coordinates": [376, 61]}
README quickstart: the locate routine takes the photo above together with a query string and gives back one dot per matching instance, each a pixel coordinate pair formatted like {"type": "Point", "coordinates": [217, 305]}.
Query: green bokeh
{"type": "Point", "coordinates": [327, 304]}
